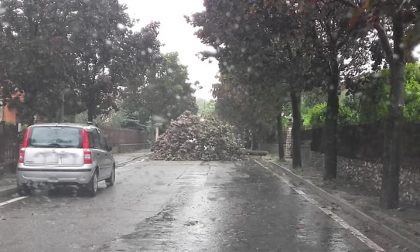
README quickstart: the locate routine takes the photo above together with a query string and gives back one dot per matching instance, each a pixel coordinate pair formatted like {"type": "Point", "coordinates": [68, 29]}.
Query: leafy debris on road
{"type": "Point", "coordinates": [191, 138]}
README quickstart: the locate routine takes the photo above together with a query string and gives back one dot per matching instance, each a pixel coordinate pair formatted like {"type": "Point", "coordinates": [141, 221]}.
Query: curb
{"type": "Point", "coordinates": [400, 236]}
{"type": "Point", "coordinates": [131, 160]}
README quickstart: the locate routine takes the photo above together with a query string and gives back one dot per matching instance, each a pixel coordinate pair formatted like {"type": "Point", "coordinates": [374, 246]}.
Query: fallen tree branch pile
{"type": "Point", "coordinates": [191, 138]}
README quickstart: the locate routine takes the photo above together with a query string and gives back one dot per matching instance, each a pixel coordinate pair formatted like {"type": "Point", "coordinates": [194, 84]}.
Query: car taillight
{"type": "Point", "coordinates": [21, 156]}
{"type": "Point", "coordinates": [85, 139]}
{"type": "Point", "coordinates": [87, 154]}
{"type": "Point", "coordinates": [87, 157]}
{"type": "Point", "coordinates": [25, 142]}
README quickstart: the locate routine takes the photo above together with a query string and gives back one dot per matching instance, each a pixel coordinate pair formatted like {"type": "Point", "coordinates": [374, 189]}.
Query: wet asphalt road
{"type": "Point", "coordinates": [175, 206]}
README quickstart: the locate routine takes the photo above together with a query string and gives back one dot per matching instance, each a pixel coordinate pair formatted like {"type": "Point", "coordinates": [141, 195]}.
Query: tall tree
{"type": "Point", "coordinates": [341, 51]}
{"type": "Point", "coordinates": [98, 27]}
{"type": "Point", "coordinates": [253, 111]}
{"type": "Point", "coordinates": [135, 64]}
{"type": "Point", "coordinates": [37, 34]}
{"type": "Point", "coordinates": [396, 24]}
{"type": "Point", "coordinates": [165, 95]}
{"type": "Point", "coordinates": [246, 36]}
{"type": "Point", "coordinates": [396, 59]}
{"type": "Point", "coordinates": [73, 55]}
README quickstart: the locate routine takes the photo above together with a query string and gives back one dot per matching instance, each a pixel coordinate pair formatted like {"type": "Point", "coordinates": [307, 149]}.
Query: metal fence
{"type": "Point", "coordinates": [9, 145]}
{"type": "Point", "coordinates": [121, 136]}
{"type": "Point", "coordinates": [366, 142]}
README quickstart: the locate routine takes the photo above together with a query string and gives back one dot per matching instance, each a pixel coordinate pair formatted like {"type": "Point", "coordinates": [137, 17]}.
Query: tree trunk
{"type": "Point", "coordinates": [280, 136]}
{"type": "Point", "coordinates": [296, 130]}
{"type": "Point", "coordinates": [91, 111]}
{"type": "Point", "coordinates": [91, 104]}
{"type": "Point", "coordinates": [330, 129]}
{"type": "Point", "coordinates": [253, 139]}
{"type": "Point", "coordinates": [248, 140]}
{"type": "Point", "coordinates": [62, 104]}
{"type": "Point", "coordinates": [392, 145]}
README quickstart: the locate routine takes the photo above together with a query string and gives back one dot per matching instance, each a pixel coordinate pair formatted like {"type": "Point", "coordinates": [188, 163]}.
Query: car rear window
{"type": "Point", "coordinates": [55, 137]}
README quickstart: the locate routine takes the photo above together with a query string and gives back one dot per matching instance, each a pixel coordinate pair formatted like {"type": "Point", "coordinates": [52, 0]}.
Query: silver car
{"type": "Point", "coordinates": [70, 154]}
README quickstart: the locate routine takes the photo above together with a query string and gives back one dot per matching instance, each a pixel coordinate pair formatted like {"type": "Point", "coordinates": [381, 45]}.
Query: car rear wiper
{"type": "Point", "coordinates": [56, 145]}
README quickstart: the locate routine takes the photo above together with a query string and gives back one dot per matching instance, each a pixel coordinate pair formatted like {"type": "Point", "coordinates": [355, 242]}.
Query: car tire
{"type": "Point", "coordinates": [23, 190]}
{"type": "Point", "coordinates": [92, 186]}
{"type": "Point", "coordinates": [111, 180]}
{"type": "Point", "coordinates": [53, 190]}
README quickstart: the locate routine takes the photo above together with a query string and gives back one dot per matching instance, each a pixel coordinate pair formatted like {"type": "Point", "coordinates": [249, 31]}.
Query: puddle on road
{"type": "Point", "coordinates": [177, 227]}
{"type": "Point", "coordinates": [183, 225]}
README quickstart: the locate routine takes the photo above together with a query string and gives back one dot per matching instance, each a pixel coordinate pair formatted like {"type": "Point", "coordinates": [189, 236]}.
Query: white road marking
{"type": "Point", "coordinates": [368, 242]}
{"type": "Point", "coordinates": [12, 200]}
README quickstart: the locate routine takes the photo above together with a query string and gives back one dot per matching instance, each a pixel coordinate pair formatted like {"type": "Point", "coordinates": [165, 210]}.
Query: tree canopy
{"type": "Point", "coordinates": [166, 95]}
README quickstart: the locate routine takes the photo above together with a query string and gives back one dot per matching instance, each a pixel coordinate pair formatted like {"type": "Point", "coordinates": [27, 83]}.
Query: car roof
{"type": "Point", "coordinates": [74, 125]}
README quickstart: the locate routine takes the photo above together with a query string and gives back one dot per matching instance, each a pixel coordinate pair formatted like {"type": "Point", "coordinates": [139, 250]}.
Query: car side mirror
{"type": "Point", "coordinates": [109, 148]}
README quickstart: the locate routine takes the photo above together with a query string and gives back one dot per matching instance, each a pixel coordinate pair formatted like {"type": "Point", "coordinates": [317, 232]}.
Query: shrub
{"type": "Point", "coordinates": [315, 116]}
{"type": "Point", "coordinates": [370, 102]}
{"type": "Point", "coordinates": [374, 98]}
{"type": "Point", "coordinates": [412, 93]}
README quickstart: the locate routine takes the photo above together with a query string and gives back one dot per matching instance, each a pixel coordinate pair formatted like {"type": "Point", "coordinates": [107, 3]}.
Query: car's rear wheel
{"type": "Point", "coordinates": [111, 180]}
{"type": "Point", "coordinates": [92, 186]}
{"type": "Point", "coordinates": [23, 189]}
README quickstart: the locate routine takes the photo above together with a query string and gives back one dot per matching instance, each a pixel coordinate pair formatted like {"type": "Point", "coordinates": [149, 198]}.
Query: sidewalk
{"type": "Point", "coordinates": [402, 225]}
{"type": "Point", "coordinates": [123, 158]}
{"type": "Point", "coordinates": [8, 181]}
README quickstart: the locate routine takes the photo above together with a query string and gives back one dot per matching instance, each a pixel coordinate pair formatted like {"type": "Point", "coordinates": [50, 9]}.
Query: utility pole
{"type": "Point", "coordinates": [157, 133]}
{"type": "Point", "coordinates": [62, 106]}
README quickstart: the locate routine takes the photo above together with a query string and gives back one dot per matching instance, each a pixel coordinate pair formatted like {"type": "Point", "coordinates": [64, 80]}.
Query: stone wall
{"type": "Point", "coordinates": [362, 172]}
{"type": "Point", "coordinates": [368, 174]}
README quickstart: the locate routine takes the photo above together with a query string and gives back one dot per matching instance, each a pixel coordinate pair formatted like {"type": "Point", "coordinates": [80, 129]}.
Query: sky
{"type": "Point", "coordinates": [177, 36]}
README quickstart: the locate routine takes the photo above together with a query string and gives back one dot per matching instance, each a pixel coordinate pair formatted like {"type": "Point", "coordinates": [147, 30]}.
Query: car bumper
{"type": "Point", "coordinates": [54, 175]}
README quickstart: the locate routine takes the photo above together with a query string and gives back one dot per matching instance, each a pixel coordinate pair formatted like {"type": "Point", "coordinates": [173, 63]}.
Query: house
{"type": "Point", "coordinates": [9, 113]}
{"type": "Point", "coordinates": [9, 130]}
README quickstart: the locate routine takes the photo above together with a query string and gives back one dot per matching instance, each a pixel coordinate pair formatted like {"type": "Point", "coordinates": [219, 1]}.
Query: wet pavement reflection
{"type": "Point", "coordinates": [176, 206]}
{"type": "Point", "coordinates": [236, 207]}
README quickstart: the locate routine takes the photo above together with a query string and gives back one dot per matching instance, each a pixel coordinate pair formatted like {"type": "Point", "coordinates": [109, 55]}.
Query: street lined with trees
{"type": "Point", "coordinates": [334, 84]}
{"type": "Point", "coordinates": [353, 57]}
{"type": "Point", "coordinates": [284, 49]}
